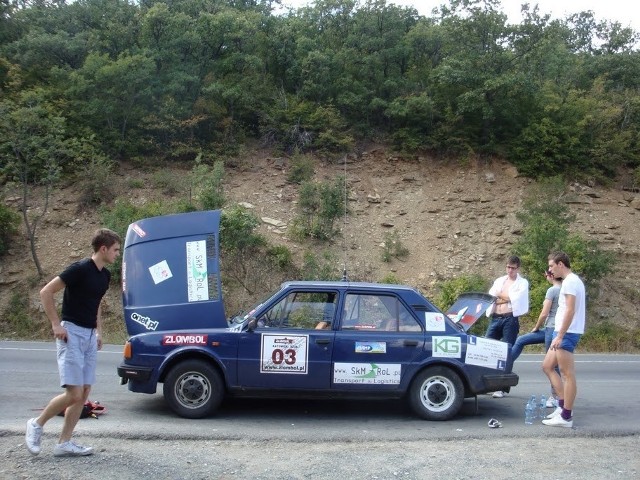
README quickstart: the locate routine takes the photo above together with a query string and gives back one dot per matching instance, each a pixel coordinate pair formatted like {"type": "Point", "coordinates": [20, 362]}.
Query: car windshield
{"type": "Point", "coordinates": [242, 315]}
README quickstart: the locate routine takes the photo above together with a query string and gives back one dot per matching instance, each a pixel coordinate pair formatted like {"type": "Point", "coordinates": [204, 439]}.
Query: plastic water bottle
{"type": "Point", "coordinates": [543, 406]}
{"type": "Point", "coordinates": [530, 411]}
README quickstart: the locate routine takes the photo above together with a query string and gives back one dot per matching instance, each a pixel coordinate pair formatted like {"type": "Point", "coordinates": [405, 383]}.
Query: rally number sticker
{"type": "Point", "coordinates": [284, 354]}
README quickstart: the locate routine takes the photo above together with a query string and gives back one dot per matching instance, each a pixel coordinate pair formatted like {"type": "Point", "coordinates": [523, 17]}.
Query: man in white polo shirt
{"type": "Point", "coordinates": [512, 301]}
{"type": "Point", "coordinates": [570, 321]}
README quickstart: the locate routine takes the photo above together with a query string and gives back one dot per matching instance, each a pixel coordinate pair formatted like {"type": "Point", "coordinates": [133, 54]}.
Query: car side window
{"type": "Point", "coordinates": [383, 313]}
{"type": "Point", "coordinates": [302, 310]}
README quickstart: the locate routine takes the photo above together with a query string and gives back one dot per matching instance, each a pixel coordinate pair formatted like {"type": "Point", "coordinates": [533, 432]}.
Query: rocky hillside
{"type": "Point", "coordinates": [452, 218]}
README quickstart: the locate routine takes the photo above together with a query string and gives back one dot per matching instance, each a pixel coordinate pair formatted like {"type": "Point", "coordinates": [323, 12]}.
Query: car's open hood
{"type": "Point", "coordinates": [469, 307]}
{"type": "Point", "coordinates": [171, 273]}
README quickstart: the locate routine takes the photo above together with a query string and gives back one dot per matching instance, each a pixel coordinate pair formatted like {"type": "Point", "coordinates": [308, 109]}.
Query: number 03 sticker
{"type": "Point", "coordinates": [284, 354]}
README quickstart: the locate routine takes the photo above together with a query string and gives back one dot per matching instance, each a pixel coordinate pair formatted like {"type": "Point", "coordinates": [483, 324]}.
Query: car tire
{"type": "Point", "coordinates": [436, 393]}
{"type": "Point", "coordinates": [193, 389]}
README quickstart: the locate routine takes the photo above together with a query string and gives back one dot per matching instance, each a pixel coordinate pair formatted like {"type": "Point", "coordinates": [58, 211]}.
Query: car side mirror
{"type": "Point", "coordinates": [252, 324]}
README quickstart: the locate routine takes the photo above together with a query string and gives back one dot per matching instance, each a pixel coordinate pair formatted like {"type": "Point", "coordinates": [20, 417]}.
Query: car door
{"type": "Point", "coordinates": [377, 343]}
{"type": "Point", "coordinates": [292, 345]}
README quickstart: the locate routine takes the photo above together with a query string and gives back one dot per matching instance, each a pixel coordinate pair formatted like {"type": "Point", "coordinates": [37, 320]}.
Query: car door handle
{"type": "Point", "coordinates": [410, 343]}
{"type": "Point", "coordinates": [323, 341]}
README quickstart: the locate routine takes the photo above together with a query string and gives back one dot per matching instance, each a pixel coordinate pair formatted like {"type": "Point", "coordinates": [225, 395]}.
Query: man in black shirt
{"type": "Point", "coordinates": [78, 339]}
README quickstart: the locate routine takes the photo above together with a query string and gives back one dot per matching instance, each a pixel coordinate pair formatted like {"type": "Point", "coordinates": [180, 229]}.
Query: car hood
{"type": "Point", "coordinates": [469, 307]}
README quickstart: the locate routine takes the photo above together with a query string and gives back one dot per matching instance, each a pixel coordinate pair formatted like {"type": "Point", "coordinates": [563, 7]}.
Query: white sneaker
{"type": "Point", "coordinates": [551, 402]}
{"type": "Point", "coordinates": [555, 413]}
{"type": "Point", "coordinates": [558, 421]}
{"type": "Point", "coordinates": [499, 394]}
{"type": "Point", "coordinates": [70, 449]}
{"type": "Point", "coordinates": [33, 437]}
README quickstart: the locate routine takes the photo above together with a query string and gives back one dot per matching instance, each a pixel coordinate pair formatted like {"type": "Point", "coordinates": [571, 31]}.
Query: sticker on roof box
{"type": "Point", "coordinates": [146, 322]}
{"type": "Point", "coordinates": [367, 373]}
{"type": "Point", "coordinates": [284, 354]}
{"type": "Point", "coordinates": [486, 352]}
{"type": "Point", "coordinates": [136, 228]}
{"type": "Point", "coordinates": [197, 278]}
{"type": "Point", "coordinates": [371, 347]}
{"type": "Point", "coordinates": [160, 272]}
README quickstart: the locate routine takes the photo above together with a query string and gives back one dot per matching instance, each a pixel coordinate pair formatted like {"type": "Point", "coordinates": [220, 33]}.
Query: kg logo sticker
{"type": "Point", "coordinates": [450, 347]}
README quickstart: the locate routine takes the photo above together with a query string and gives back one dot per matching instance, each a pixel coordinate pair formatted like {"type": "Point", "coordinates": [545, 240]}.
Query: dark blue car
{"type": "Point", "coordinates": [309, 339]}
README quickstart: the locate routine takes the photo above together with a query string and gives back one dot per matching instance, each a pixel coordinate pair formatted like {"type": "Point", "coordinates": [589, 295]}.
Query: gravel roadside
{"type": "Point", "coordinates": [504, 458]}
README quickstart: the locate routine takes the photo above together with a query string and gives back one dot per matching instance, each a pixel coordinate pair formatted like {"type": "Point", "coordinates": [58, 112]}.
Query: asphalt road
{"type": "Point", "coordinates": [607, 405]}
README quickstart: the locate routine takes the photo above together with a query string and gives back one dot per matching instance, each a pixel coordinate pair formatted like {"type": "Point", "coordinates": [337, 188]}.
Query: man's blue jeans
{"type": "Point", "coordinates": [532, 338]}
{"type": "Point", "coordinates": [504, 328]}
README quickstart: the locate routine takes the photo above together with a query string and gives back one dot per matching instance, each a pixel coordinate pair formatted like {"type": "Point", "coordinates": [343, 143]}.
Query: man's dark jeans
{"type": "Point", "coordinates": [505, 328]}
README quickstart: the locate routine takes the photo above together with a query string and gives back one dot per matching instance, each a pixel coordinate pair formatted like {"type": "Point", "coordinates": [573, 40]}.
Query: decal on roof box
{"type": "Point", "coordinates": [197, 281]}
{"type": "Point", "coordinates": [371, 347]}
{"type": "Point", "coordinates": [367, 373]}
{"type": "Point", "coordinates": [146, 322]}
{"type": "Point", "coordinates": [284, 354]}
{"type": "Point", "coordinates": [486, 352]}
{"type": "Point", "coordinates": [160, 272]}
{"type": "Point", "coordinates": [136, 228]}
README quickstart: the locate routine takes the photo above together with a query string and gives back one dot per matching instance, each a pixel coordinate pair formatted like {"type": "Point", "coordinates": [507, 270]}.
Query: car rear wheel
{"type": "Point", "coordinates": [193, 389]}
{"type": "Point", "coordinates": [436, 393]}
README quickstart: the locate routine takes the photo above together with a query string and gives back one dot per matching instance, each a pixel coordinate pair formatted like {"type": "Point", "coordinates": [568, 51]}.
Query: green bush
{"type": "Point", "coordinates": [9, 221]}
{"type": "Point", "coordinates": [546, 220]}
{"type": "Point", "coordinates": [609, 337]}
{"type": "Point", "coordinates": [393, 247]}
{"type": "Point", "coordinates": [97, 180]}
{"type": "Point", "coordinates": [301, 169]}
{"type": "Point", "coordinates": [167, 181]}
{"type": "Point", "coordinates": [321, 267]}
{"type": "Point", "coordinates": [135, 183]}
{"type": "Point", "coordinates": [206, 184]}
{"type": "Point", "coordinates": [237, 231]}
{"type": "Point", "coordinates": [16, 320]}
{"type": "Point", "coordinates": [450, 290]}
{"type": "Point", "coordinates": [390, 278]}
{"type": "Point", "coordinates": [319, 205]}
{"type": "Point", "coordinates": [281, 255]}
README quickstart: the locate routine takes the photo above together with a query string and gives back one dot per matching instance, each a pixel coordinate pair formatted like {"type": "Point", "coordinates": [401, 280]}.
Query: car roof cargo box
{"type": "Point", "coordinates": [171, 273]}
{"type": "Point", "coordinates": [469, 307]}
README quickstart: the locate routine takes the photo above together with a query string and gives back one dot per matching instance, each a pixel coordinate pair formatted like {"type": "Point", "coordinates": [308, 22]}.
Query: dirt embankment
{"type": "Point", "coordinates": [453, 219]}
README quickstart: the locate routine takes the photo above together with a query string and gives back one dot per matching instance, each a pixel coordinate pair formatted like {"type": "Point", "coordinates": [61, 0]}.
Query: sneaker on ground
{"type": "Point", "coordinates": [70, 449]}
{"type": "Point", "coordinates": [33, 437]}
{"type": "Point", "coordinates": [555, 413]}
{"type": "Point", "coordinates": [551, 402]}
{"type": "Point", "coordinates": [558, 421]}
{"type": "Point", "coordinates": [499, 394]}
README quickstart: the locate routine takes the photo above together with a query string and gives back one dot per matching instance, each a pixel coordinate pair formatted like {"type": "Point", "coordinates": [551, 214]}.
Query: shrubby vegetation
{"type": "Point", "coordinates": [546, 228]}
{"type": "Point", "coordinates": [392, 247]}
{"type": "Point", "coordinates": [320, 204]}
{"type": "Point", "coordinates": [9, 221]}
{"type": "Point", "coordinates": [173, 79]}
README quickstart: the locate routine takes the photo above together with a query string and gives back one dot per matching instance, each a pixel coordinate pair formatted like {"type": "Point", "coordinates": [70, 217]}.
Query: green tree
{"type": "Point", "coordinates": [33, 147]}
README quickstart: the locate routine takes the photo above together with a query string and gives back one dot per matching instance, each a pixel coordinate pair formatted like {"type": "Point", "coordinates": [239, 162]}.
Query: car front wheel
{"type": "Point", "coordinates": [436, 393]}
{"type": "Point", "coordinates": [193, 389]}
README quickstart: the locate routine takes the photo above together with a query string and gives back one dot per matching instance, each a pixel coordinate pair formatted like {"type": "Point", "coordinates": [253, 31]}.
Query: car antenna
{"type": "Point", "coordinates": [344, 228]}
